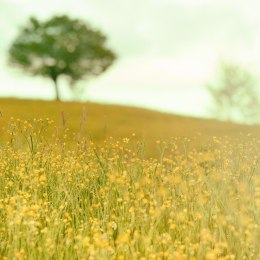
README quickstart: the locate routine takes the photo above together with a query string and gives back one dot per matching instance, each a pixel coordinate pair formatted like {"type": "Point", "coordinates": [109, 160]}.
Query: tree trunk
{"type": "Point", "coordinates": [56, 89]}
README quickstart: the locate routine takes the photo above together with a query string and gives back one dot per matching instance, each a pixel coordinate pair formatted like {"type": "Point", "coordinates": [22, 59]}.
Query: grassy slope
{"type": "Point", "coordinates": [84, 202]}
{"type": "Point", "coordinates": [120, 121]}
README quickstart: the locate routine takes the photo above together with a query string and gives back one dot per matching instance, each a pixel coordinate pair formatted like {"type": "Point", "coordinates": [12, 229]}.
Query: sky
{"type": "Point", "coordinates": [168, 50]}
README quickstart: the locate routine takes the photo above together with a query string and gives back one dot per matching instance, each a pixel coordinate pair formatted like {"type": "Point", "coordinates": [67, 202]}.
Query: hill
{"type": "Point", "coordinates": [64, 197]}
{"type": "Point", "coordinates": [101, 121]}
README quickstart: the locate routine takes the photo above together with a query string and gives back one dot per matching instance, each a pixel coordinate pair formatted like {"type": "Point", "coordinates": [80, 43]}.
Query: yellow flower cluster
{"type": "Point", "coordinates": [88, 201]}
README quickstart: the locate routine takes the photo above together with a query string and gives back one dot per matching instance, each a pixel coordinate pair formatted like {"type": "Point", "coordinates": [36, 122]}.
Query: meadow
{"type": "Point", "coordinates": [134, 184]}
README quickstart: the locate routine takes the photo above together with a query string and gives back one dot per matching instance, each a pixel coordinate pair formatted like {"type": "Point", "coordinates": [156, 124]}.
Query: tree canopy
{"type": "Point", "coordinates": [61, 46]}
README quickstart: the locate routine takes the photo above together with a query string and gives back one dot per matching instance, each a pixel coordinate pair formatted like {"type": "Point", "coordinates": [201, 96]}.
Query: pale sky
{"type": "Point", "coordinates": [168, 49]}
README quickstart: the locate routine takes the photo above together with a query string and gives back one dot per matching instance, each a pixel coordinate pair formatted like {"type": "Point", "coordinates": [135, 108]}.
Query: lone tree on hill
{"type": "Point", "coordinates": [61, 46]}
{"type": "Point", "coordinates": [235, 96]}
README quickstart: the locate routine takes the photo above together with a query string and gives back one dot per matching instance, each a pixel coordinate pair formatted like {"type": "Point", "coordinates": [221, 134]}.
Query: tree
{"type": "Point", "coordinates": [61, 46]}
{"type": "Point", "coordinates": [235, 97]}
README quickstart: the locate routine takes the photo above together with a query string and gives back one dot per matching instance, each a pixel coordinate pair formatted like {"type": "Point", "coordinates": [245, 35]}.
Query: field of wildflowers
{"type": "Point", "coordinates": [70, 198]}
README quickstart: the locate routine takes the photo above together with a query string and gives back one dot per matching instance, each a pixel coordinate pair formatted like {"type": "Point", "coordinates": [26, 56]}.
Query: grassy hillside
{"type": "Point", "coordinates": [64, 197]}
{"type": "Point", "coordinates": [108, 120]}
{"type": "Point", "coordinates": [105, 200]}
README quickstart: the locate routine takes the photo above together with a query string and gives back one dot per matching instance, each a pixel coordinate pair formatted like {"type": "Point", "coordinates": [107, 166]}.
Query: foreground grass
{"type": "Point", "coordinates": [73, 199]}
